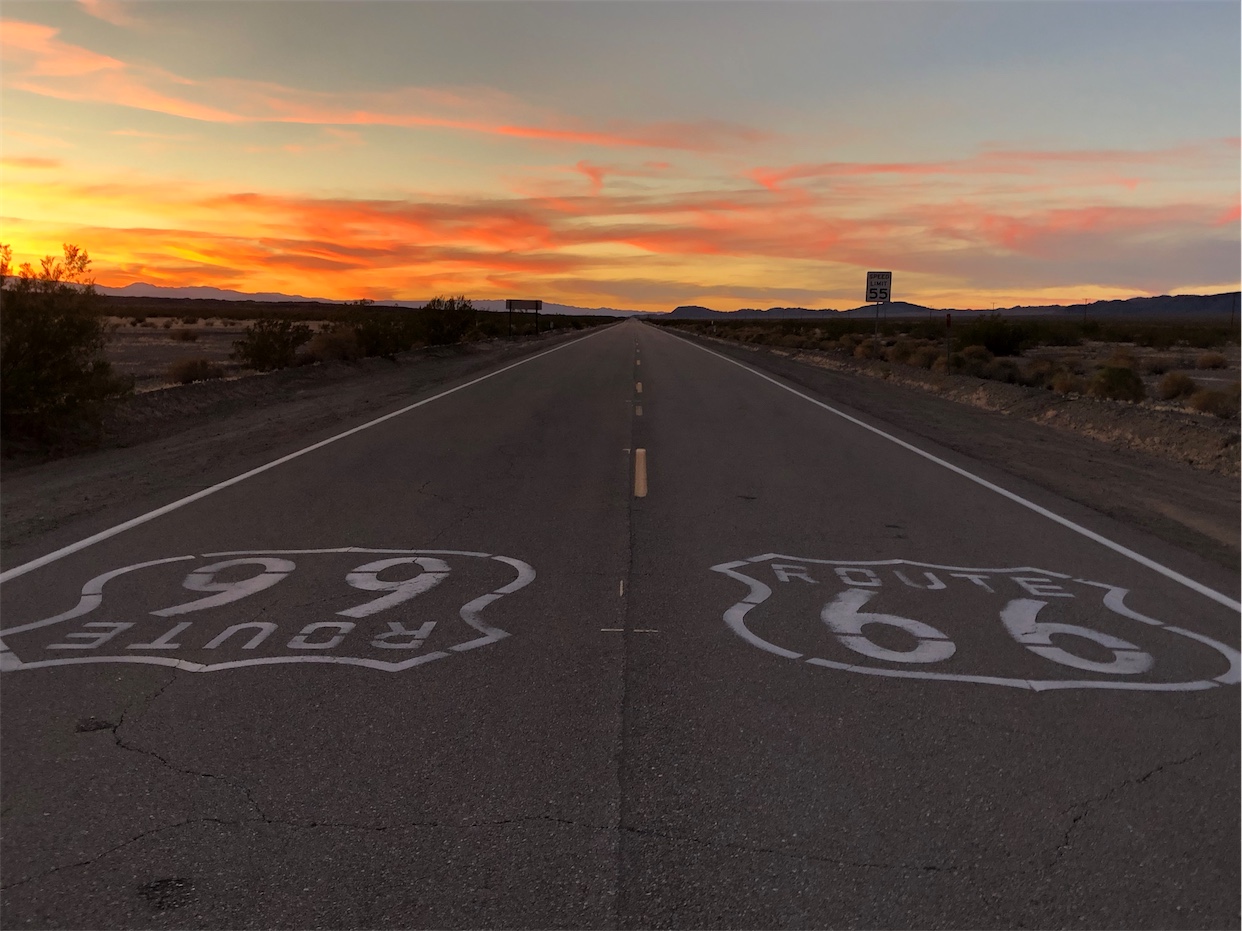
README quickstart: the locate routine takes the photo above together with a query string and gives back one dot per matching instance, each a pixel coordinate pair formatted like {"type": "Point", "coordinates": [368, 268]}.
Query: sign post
{"type": "Point", "coordinates": [512, 305]}
{"type": "Point", "coordinates": [879, 291]}
{"type": "Point", "coordinates": [948, 347]}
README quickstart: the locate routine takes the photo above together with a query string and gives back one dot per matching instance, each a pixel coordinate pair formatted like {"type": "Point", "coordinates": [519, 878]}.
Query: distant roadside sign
{"type": "Point", "coordinates": [523, 305]}
{"type": "Point", "coordinates": [879, 286]}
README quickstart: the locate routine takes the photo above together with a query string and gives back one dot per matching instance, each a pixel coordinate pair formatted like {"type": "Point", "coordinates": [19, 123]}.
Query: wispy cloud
{"type": "Point", "coordinates": [31, 162]}
{"type": "Point", "coordinates": [113, 11]}
{"type": "Point", "coordinates": [39, 62]}
{"type": "Point", "coordinates": [1115, 165]}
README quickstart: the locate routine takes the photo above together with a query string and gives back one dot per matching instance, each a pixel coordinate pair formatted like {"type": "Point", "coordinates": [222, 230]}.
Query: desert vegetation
{"type": "Point", "coordinates": [55, 383]}
{"type": "Point", "coordinates": [1114, 359]}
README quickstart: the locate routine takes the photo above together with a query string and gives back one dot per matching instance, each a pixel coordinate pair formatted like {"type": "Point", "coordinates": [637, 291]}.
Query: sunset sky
{"type": "Point", "coordinates": [636, 155]}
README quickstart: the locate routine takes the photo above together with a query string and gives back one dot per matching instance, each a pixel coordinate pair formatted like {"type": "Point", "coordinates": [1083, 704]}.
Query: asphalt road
{"type": "Point", "coordinates": [452, 670]}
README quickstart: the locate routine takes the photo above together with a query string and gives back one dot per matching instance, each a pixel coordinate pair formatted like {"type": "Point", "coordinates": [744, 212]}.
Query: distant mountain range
{"type": "Point", "coordinates": [142, 289]}
{"type": "Point", "coordinates": [1189, 305]}
{"type": "Point", "coordinates": [1178, 305]}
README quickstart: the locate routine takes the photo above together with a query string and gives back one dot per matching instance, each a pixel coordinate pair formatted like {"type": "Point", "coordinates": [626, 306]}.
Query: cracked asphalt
{"type": "Point", "coordinates": [450, 671]}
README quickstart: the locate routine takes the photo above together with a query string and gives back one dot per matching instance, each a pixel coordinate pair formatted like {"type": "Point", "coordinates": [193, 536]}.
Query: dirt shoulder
{"type": "Point", "coordinates": [1168, 472]}
{"type": "Point", "coordinates": [167, 443]}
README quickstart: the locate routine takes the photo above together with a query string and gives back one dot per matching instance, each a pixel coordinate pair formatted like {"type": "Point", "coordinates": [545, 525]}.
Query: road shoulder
{"type": "Point", "coordinates": [1190, 508]}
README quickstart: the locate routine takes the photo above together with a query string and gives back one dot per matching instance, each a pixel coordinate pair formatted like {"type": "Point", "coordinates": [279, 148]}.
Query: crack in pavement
{"type": "Point", "coordinates": [1091, 803]}
{"type": "Point", "coordinates": [469, 825]}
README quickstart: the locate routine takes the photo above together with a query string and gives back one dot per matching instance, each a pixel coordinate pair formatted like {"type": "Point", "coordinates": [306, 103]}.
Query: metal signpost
{"type": "Point", "coordinates": [512, 305]}
{"type": "Point", "coordinates": [879, 291]}
{"type": "Point", "coordinates": [948, 344]}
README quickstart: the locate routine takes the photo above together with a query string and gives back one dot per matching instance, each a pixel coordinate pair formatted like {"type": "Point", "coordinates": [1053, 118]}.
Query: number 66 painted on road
{"type": "Point", "coordinates": [1020, 617]}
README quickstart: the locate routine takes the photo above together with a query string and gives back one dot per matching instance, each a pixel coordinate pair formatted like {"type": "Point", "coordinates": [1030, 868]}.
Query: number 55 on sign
{"type": "Point", "coordinates": [879, 286]}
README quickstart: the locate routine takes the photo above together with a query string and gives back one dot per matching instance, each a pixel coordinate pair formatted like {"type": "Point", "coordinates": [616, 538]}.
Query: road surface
{"type": "Point", "coordinates": [624, 635]}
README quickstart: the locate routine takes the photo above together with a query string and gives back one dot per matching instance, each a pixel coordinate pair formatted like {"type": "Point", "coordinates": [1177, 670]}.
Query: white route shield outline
{"type": "Point", "coordinates": [1113, 599]}
{"type": "Point", "coordinates": [92, 596]}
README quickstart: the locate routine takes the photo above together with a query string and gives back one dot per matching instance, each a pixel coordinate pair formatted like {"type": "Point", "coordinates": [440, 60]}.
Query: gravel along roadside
{"type": "Point", "coordinates": [1171, 473]}
{"type": "Point", "coordinates": [164, 444]}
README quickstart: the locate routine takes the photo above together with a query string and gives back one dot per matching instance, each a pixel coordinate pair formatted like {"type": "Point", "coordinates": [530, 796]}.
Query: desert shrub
{"type": "Point", "coordinates": [1176, 385]}
{"type": "Point", "coordinates": [183, 335]}
{"type": "Point", "coordinates": [925, 357]}
{"type": "Point", "coordinates": [54, 379]}
{"type": "Point", "coordinates": [998, 336]}
{"type": "Point", "coordinates": [1067, 383]}
{"type": "Point", "coordinates": [339, 344]}
{"type": "Point", "coordinates": [270, 344]}
{"type": "Point", "coordinates": [1038, 372]}
{"type": "Point", "coordinates": [1117, 383]}
{"type": "Point", "coordinates": [901, 351]}
{"type": "Point", "coordinates": [184, 371]}
{"type": "Point", "coordinates": [1121, 358]}
{"type": "Point", "coordinates": [849, 341]}
{"type": "Point", "coordinates": [167, 324]}
{"type": "Point", "coordinates": [1220, 403]}
{"type": "Point", "coordinates": [940, 365]}
{"type": "Point", "coordinates": [975, 359]}
{"type": "Point", "coordinates": [1211, 360]}
{"type": "Point", "coordinates": [1005, 370]}
{"type": "Point", "coordinates": [1158, 365]}
{"type": "Point", "coordinates": [382, 335]}
{"type": "Point", "coordinates": [869, 349]}
{"type": "Point", "coordinates": [447, 319]}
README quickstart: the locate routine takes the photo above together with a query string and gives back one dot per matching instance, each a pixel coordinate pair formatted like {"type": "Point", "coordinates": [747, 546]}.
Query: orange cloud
{"type": "Point", "coordinates": [756, 239]}
{"type": "Point", "coordinates": [32, 162]}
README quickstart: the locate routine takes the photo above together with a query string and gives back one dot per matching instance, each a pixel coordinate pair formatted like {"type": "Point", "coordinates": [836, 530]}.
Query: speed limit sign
{"type": "Point", "coordinates": [879, 286]}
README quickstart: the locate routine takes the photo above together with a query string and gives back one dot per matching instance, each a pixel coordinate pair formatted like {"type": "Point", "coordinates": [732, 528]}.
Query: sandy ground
{"type": "Point", "coordinates": [1169, 472]}
{"type": "Point", "coordinates": [145, 351]}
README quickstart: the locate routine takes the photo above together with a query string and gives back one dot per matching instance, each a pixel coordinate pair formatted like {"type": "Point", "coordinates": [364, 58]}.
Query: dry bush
{"type": "Point", "coordinates": [335, 345]}
{"type": "Point", "coordinates": [1117, 383]}
{"type": "Point", "coordinates": [849, 341]}
{"type": "Point", "coordinates": [925, 357]}
{"type": "Point", "coordinates": [1039, 372]}
{"type": "Point", "coordinates": [975, 359]}
{"type": "Point", "coordinates": [183, 335]}
{"type": "Point", "coordinates": [1176, 385]}
{"type": "Point", "coordinates": [869, 349]}
{"type": "Point", "coordinates": [1121, 358]}
{"type": "Point", "coordinates": [958, 363]}
{"type": "Point", "coordinates": [1005, 370]}
{"type": "Point", "coordinates": [1223, 404]}
{"type": "Point", "coordinates": [184, 371]}
{"type": "Point", "coordinates": [901, 351]}
{"type": "Point", "coordinates": [1158, 365]}
{"type": "Point", "coordinates": [1211, 360]}
{"type": "Point", "coordinates": [167, 324]}
{"type": "Point", "coordinates": [1067, 383]}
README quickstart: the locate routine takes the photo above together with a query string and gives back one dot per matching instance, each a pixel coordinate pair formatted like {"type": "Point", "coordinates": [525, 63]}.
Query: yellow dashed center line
{"type": "Point", "coordinates": [640, 473]}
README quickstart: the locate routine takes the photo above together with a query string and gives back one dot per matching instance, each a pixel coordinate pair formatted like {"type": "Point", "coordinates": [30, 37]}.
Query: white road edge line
{"type": "Point", "coordinates": [1018, 499]}
{"type": "Point", "coordinates": [198, 495]}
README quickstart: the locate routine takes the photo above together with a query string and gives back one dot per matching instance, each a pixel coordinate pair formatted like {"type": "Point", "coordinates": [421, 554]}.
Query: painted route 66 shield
{"type": "Point", "coordinates": [383, 609]}
{"type": "Point", "coordinates": [1020, 627]}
